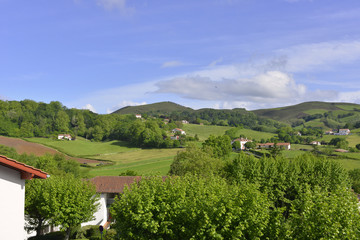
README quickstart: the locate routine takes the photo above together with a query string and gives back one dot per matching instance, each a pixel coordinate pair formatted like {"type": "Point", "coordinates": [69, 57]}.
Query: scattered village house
{"type": "Point", "coordinates": [64, 136]}
{"type": "Point", "coordinates": [315, 143]}
{"type": "Point", "coordinates": [242, 142]}
{"type": "Point", "coordinates": [174, 137]}
{"type": "Point", "coordinates": [344, 131]}
{"type": "Point", "coordinates": [108, 187]}
{"type": "Point", "coordinates": [138, 115]}
{"type": "Point", "coordinates": [182, 132]}
{"type": "Point", "coordinates": [12, 186]}
{"type": "Point", "coordinates": [184, 122]}
{"type": "Point", "coordinates": [330, 132]}
{"type": "Point", "coordinates": [286, 146]}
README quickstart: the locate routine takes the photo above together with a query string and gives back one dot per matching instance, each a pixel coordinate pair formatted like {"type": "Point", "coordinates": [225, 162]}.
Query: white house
{"type": "Point", "coordinates": [12, 201]}
{"type": "Point", "coordinates": [286, 146]}
{"type": "Point", "coordinates": [108, 187]}
{"type": "Point", "coordinates": [174, 137]}
{"type": "Point", "coordinates": [138, 115]}
{"type": "Point", "coordinates": [344, 131]}
{"type": "Point", "coordinates": [315, 143]}
{"type": "Point", "coordinates": [242, 142]}
{"type": "Point", "coordinates": [184, 121]}
{"type": "Point", "coordinates": [175, 130]}
{"type": "Point", "coordinates": [64, 136]}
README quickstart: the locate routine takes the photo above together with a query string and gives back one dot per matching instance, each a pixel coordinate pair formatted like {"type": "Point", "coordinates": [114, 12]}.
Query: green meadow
{"type": "Point", "coordinates": [84, 148]}
{"type": "Point", "coordinates": [142, 161]}
{"type": "Point", "coordinates": [157, 161]}
{"type": "Point", "coordinates": [204, 131]}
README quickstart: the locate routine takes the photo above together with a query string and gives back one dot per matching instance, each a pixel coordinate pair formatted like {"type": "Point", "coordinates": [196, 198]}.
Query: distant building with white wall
{"type": "Point", "coordinates": [242, 142]}
{"type": "Point", "coordinates": [108, 187]}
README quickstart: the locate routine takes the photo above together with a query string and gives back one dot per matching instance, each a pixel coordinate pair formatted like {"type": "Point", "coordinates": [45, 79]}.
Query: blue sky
{"type": "Point", "coordinates": [107, 54]}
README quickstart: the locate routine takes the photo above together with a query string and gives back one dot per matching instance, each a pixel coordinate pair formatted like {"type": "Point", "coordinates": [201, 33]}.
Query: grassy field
{"type": "Point", "coordinates": [255, 135]}
{"type": "Point", "coordinates": [204, 131]}
{"type": "Point", "coordinates": [353, 139]}
{"type": "Point", "coordinates": [85, 148]}
{"type": "Point", "coordinates": [143, 161]}
{"type": "Point", "coordinates": [314, 111]}
{"type": "Point", "coordinates": [124, 157]}
{"type": "Point", "coordinates": [158, 161]}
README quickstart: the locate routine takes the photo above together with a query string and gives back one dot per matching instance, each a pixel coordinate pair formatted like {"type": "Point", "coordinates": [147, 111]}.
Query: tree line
{"type": "Point", "coordinates": [28, 118]}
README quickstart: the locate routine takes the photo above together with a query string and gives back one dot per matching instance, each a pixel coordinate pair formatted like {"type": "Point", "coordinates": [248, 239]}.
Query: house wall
{"type": "Point", "coordinates": [12, 203]}
{"type": "Point", "coordinates": [101, 214]}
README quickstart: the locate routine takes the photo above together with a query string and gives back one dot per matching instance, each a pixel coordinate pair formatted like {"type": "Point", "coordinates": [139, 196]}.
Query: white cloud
{"type": "Point", "coordinates": [89, 107]}
{"type": "Point", "coordinates": [352, 97]}
{"type": "Point", "coordinates": [171, 64]}
{"type": "Point", "coordinates": [124, 103]}
{"type": "Point", "coordinates": [216, 62]}
{"type": "Point", "coordinates": [323, 55]}
{"type": "Point", "coordinates": [119, 5]}
{"type": "Point", "coordinates": [272, 86]}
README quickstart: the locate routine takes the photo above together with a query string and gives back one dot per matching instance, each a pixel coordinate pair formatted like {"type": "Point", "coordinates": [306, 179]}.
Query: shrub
{"type": "Point", "coordinates": [50, 236]}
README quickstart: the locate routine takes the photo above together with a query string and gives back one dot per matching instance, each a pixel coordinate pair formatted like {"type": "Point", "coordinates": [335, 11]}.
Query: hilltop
{"type": "Point", "coordinates": [308, 114]}
{"type": "Point", "coordinates": [160, 107]}
{"type": "Point", "coordinates": [314, 114]}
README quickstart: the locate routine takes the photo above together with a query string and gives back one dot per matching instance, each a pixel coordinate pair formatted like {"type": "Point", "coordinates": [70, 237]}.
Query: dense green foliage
{"type": "Point", "coordinates": [197, 161]}
{"type": "Point", "coordinates": [61, 201]}
{"type": "Point", "coordinates": [190, 208]}
{"type": "Point", "coordinates": [304, 198]}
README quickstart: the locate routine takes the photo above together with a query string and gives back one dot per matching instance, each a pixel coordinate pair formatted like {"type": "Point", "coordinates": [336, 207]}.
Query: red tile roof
{"type": "Point", "coordinates": [27, 172]}
{"type": "Point", "coordinates": [113, 184]}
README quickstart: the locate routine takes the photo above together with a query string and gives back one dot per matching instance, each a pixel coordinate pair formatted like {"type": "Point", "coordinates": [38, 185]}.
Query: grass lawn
{"type": "Point", "coordinates": [84, 148]}
{"type": "Point", "coordinates": [204, 131]}
{"type": "Point", "coordinates": [143, 161]}
{"type": "Point", "coordinates": [255, 135]}
{"type": "Point", "coordinates": [353, 139]}
{"type": "Point", "coordinates": [315, 111]}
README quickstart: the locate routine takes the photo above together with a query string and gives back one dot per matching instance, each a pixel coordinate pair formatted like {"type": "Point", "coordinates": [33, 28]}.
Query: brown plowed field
{"type": "Point", "coordinates": [22, 146]}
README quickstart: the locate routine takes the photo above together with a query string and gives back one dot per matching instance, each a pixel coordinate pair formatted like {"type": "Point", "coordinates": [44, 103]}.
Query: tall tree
{"type": "Point", "coordinates": [190, 208]}
{"type": "Point", "coordinates": [62, 201]}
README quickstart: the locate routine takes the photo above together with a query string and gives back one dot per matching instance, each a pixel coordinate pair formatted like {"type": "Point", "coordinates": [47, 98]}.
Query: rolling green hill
{"type": "Point", "coordinates": [161, 108]}
{"type": "Point", "coordinates": [314, 114]}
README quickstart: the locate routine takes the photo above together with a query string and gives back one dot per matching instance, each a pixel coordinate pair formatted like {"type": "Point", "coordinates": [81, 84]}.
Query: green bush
{"type": "Point", "coordinates": [50, 236]}
{"type": "Point", "coordinates": [110, 234]}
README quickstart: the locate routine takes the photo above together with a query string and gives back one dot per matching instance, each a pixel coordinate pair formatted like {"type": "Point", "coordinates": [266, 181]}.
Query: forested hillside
{"type": "Point", "coordinates": [31, 119]}
{"type": "Point", "coordinates": [224, 117]}
{"type": "Point", "coordinates": [316, 114]}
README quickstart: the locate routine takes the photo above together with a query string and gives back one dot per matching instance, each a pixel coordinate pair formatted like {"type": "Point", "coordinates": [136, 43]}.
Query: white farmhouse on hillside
{"type": "Point", "coordinates": [286, 146]}
{"type": "Point", "coordinates": [64, 136]}
{"type": "Point", "coordinates": [175, 130]}
{"type": "Point", "coordinates": [12, 202]}
{"type": "Point", "coordinates": [344, 131]}
{"type": "Point", "coordinates": [242, 142]}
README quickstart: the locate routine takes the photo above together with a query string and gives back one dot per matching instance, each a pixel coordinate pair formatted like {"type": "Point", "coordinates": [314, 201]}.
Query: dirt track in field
{"type": "Point", "coordinates": [22, 146]}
